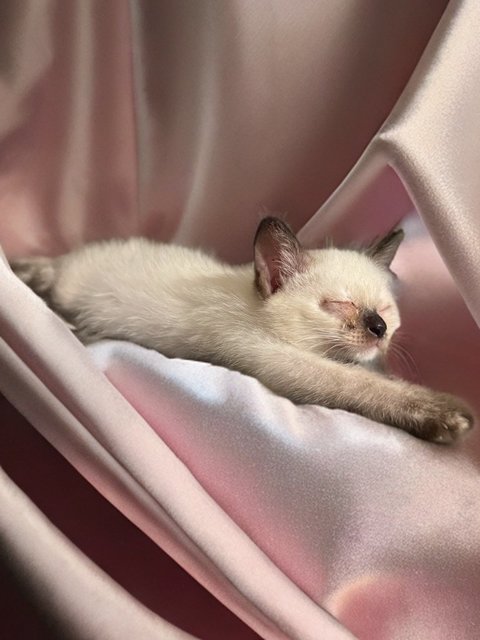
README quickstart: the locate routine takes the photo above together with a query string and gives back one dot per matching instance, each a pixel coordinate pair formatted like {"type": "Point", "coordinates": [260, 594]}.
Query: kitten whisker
{"type": "Point", "coordinates": [406, 359]}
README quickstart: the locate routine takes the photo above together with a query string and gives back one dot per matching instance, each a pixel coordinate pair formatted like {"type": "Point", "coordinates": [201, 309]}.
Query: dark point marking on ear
{"type": "Point", "coordinates": [278, 255]}
{"type": "Point", "coordinates": [383, 250]}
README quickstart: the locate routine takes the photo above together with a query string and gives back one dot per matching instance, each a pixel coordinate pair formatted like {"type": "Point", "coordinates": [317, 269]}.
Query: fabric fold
{"type": "Point", "coordinates": [188, 524]}
{"type": "Point", "coordinates": [78, 599]}
{"type": "Point", "coordinates": [426, 144]}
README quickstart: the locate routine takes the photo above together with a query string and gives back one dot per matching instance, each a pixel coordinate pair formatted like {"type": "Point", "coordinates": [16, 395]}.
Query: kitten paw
{"type": "Point", "coordinates": [442, 418]}
{"type": "Point", "coordinates": [453, 425]}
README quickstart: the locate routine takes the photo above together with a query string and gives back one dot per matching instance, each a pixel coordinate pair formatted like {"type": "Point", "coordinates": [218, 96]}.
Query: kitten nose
{"type": "Point", "coordinates": [375, 324]}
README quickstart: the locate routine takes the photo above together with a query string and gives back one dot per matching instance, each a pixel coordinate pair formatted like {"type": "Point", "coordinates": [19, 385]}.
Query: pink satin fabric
{"type": "Point", "coordinates": [183, 121]}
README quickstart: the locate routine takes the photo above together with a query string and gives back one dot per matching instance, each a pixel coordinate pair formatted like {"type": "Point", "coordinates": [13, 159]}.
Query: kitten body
{"type": "Point", "coordinates": [302, 322]}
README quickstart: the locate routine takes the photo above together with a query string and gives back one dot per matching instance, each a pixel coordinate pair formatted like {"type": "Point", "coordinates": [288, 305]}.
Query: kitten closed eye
{"type": "Point", "coordinates": [344, 309]}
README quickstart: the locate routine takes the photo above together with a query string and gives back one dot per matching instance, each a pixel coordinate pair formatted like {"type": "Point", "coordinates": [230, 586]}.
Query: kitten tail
{"type": "Point", "coordinates": [38, 273]}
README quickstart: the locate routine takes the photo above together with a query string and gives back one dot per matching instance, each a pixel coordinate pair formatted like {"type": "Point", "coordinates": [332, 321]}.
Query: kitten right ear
{"type": "Point", "coordinates": [383, 250]}
{"type": "Point", "coordinates": [278, 255]}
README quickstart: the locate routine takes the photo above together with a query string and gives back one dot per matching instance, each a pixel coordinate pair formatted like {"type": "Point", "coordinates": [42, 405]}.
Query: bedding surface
{"type": "Point", "coordinates": [380, 528]}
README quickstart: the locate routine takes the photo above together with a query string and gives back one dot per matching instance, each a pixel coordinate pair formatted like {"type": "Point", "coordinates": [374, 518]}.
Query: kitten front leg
{"type": "Point", "coordinates": [308, 379]}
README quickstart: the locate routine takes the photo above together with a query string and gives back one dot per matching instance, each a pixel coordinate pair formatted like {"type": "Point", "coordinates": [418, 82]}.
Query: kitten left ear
{"type": "Point", "coordinates": [383, 251]}
{"type": "Point", "coordinates": [278, 255]}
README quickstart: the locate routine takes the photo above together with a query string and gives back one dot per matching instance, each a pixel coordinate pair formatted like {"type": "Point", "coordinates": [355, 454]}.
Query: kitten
{"type": "Point", "coordinates": [308, 324]}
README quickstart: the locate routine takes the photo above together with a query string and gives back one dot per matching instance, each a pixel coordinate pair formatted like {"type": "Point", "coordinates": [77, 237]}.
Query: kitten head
{"type": "Point", "coordinates": [335, 302]}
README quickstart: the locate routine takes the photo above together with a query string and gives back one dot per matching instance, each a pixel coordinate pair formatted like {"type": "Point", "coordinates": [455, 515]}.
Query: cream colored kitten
{"type": "Point", "coordinates": [302, 322]}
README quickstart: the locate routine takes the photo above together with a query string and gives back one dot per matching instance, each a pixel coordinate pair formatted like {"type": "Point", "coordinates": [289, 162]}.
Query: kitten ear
{"type": "Point", "coordinates": [383, 251]}
{"type": "Point", "coordinates": [278, 255]}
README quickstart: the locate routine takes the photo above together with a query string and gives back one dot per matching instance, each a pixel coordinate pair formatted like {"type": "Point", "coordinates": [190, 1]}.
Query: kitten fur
{"type": "Point", "coordinates": [310, 324]}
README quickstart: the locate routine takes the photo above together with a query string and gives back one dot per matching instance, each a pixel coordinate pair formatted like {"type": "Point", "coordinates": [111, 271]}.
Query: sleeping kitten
{"type": "Point", "coordinates": [302, 322]}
